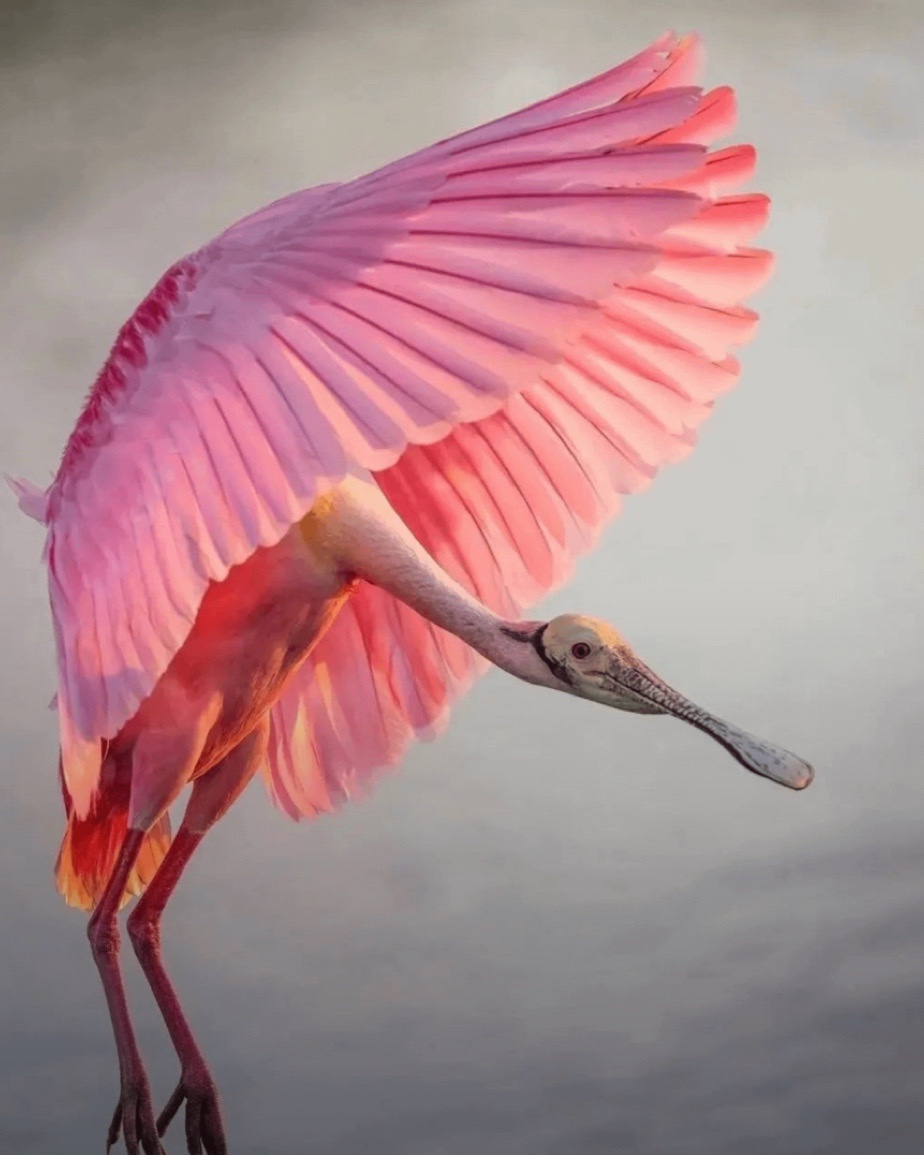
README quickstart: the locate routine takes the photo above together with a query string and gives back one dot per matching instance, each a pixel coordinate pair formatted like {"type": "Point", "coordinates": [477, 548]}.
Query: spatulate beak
{"type": "Point", "coordinates": [756, 755]}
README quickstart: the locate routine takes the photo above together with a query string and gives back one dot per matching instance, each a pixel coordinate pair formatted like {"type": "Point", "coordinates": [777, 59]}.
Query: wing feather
{"type": "Point", "coordinates": [510, 329]}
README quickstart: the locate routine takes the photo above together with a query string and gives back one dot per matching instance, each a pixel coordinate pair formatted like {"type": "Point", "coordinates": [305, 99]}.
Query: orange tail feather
{"type": "Point", "coordinates": [89, 850]}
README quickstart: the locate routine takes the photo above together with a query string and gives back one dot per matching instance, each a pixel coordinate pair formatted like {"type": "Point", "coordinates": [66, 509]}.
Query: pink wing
{"type": "Point", "coordinates": [510, 328]}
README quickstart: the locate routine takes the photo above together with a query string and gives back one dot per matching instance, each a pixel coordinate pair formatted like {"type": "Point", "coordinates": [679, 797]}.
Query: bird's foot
{"type": "Point", "coordinates": [134, 1118]}
{"type": "Point", "coordinates": [205, 1131]}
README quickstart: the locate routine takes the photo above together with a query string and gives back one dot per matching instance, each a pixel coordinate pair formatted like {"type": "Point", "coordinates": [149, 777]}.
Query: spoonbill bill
{"type": "Point", "coordinates": [336, 453]}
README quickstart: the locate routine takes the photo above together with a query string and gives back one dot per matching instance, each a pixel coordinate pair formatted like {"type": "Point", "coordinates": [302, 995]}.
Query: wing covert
{"type": "Point", "coordinates": [577, 256]}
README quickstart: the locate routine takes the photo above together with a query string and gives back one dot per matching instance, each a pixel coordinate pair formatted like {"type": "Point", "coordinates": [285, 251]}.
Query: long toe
{"type": "Point", "coordinates": [205, 1131]}
{"type": "Point", "coordinates": [134, 1118]}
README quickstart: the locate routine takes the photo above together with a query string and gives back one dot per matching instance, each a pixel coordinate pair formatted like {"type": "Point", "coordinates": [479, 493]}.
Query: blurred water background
{"type": "Point", "coordinates": [559, 929]}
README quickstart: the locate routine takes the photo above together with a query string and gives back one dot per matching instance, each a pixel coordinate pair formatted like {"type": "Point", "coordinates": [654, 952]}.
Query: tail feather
{"type": "Point", "coordinates": [89, 850]}
{"type": "Point", "coordinates": [32, 499]}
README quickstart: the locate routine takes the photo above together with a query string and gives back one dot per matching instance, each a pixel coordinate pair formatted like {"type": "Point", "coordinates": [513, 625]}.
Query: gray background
{"type": "Point", "coordinates": [560, 929]}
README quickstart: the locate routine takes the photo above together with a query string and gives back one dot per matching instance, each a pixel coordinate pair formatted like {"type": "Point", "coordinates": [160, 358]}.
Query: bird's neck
{"type": "Point", "coordinates": [367, 538]}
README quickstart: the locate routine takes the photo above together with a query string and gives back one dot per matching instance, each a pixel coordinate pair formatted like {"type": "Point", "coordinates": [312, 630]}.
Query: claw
{"type": "Point", "coordinates": [134, 1118]}
{"type": "Point", "coordinates": [165, 1118]}
{"type": "Point", "coordinates": [112, 1135]}
{"type": "Point", "coordinates": [205, 1132]}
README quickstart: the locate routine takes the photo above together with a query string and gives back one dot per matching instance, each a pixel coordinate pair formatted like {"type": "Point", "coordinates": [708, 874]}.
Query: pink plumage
{"type": "Point", "coordinates": [581, 256]}
{"type": "Point", "coordinates": [334, 455]}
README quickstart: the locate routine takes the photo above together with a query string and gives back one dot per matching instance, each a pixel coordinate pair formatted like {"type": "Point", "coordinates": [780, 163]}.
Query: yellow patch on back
{"type": "Point", "coordinates": [312, 524]}
{"type": "Point", "coordinates": [316, 530]}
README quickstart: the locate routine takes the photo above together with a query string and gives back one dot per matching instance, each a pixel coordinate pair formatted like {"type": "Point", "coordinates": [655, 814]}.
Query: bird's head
{"type": "Point", "coordinates": [591, 659]}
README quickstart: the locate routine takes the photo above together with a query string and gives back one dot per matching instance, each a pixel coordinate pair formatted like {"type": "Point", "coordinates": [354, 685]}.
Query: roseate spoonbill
{"type": "Point", "coordinates": [337, 451]}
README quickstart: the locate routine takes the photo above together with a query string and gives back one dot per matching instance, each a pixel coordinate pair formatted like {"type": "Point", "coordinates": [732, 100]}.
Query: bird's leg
{"type": "Point", "coordinates": [135, 1113]}
{"type": "Point", "coordinates": [212, 795]}
{"type": "Point", "coordinates": [196, 1086]}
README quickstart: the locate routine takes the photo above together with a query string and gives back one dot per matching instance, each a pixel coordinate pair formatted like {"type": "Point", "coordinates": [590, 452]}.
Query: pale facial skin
{"type": "Point", "coordinates": [592, 660]}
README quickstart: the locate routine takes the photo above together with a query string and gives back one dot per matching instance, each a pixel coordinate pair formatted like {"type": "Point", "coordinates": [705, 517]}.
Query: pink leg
{"type": "Point", "coordinates": [211, 797]}
{"type": "Point", "coordinates": [135, 1114]}
{"type": "Point", "coordinates": [204, 1127]}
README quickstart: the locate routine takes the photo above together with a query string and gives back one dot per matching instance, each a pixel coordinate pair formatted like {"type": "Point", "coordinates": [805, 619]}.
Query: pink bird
{"type": "Point", "coordinates": [335, 454]}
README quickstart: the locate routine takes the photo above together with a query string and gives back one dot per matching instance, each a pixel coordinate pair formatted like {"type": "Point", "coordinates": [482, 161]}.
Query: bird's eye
{"type": "Point", "coordinates": [580, 650]}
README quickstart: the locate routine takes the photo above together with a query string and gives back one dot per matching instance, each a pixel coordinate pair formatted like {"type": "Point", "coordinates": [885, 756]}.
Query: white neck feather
{"type": "Point", "coordinates": [368, 539]}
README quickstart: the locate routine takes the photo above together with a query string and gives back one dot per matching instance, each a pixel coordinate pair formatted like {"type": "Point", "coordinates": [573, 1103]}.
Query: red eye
{"type": "Point", "coordinates": [580, 650]}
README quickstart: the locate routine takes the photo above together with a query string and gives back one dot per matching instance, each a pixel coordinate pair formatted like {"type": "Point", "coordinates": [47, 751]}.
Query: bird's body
{"type": "Point", "coordinates": [335, 454]}
{"type": "Point", "coordinates": [252, 632]}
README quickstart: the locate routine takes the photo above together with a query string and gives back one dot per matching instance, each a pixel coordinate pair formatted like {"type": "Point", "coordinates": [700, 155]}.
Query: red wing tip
{"type": "Point", "coordinates": [763, 258]}
{"type": "Point", "coordinates": [722, 100]}
{"type": "Point", "coordinates": [757, 204]}
{"type": "Point", "coordinates": [676, 44]}
{"type": "Point", "coordinates": [743, 155]}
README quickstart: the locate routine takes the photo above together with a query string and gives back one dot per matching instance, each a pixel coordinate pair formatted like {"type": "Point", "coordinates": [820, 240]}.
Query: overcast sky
{"type": "Point", "coordinates": [559, 929]}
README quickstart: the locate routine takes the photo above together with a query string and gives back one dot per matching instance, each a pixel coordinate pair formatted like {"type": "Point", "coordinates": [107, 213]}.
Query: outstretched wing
{"type": "Point", "coordinates": [573, 255]}
{"type": "Point", "coordinates": [505, 504]}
